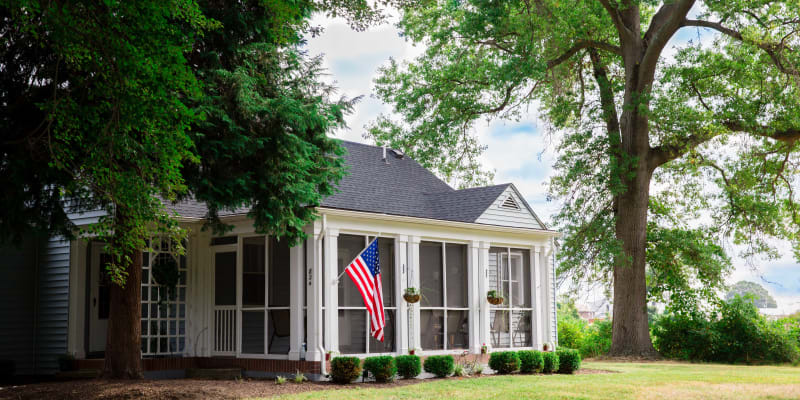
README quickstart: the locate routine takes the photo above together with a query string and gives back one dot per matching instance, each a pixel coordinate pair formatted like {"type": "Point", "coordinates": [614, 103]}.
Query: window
{"type": "Point", "coordinates": [265, 296]}
{"type": "Point", "coordinates": [510, 323]}
{"type": "Point", "coordinates": [444, 308]}
{"type": "Point", "coordinates": [163, 323]}
{"type": "Point", "coordinates": [354, 335]}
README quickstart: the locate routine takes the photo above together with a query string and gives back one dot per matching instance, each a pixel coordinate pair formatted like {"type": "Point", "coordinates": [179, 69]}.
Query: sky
{"type": "Point", "coordinates": [518, 152]}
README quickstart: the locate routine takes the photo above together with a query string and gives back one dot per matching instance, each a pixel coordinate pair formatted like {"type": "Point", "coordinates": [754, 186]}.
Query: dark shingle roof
{"type": "Point", "coordinates": [397, 186]}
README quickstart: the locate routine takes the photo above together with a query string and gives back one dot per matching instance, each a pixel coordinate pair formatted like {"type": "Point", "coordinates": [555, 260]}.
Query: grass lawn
{"type": "Point", "coordinates": [661, 380]}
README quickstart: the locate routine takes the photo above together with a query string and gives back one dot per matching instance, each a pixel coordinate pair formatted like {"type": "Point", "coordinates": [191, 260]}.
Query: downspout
{"type": "Point", "coordinates": [36, 278]}
{"type": "Point", "coordinates": [555, 308]}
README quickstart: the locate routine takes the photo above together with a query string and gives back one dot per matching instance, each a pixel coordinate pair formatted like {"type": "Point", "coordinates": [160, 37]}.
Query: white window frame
{"type": "Point", "coordinates": [444, 308]}
{"type": "Point", "coordinates": [367, 239]}
{"type": "Point", "coordinates": [178, 303]}
{"type": "Point", "coordinates": [509, 307]}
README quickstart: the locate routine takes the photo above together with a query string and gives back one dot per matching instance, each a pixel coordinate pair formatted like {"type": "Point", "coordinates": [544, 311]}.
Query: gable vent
{"type": "Point", "coordinates": [510, 204]}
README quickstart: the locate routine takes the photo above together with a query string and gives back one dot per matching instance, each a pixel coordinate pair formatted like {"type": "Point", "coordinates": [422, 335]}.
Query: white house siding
{"type": "Point", "coordinates": [496, 215]}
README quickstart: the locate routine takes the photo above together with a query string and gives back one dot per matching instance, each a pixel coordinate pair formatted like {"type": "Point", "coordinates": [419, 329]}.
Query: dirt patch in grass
{"type": "Point", "coordinates": [177, 389]}
{"type": "Point", "coordinates": [701, 390]}
{"type": "Point", "coordinates": [589, 371]}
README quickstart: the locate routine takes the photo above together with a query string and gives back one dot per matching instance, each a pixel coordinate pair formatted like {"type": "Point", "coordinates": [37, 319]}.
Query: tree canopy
{"type": "Point", "coordinates": [757, 293]}
{"type": "Point", "coordinates": [662, 158]}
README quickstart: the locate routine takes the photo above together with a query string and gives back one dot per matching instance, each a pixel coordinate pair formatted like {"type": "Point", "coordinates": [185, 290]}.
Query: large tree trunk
{"type": "Point", "coordinates": [630, 330]}
{"type": "Point", "coordinates": [123, 343]}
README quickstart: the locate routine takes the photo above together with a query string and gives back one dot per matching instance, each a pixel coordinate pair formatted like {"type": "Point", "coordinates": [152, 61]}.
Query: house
{"type": "Point", "coordinates": [250, 301]}
{"type": "Point", "coordinates": [595, 311]}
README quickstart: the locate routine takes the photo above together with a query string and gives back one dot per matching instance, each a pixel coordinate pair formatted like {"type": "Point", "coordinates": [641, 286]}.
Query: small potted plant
{"type": "Point", "coordinates": [412, 351]}
{"type": "Point", "coordinates": [494, 298]}
{"type": "Point", "coordinates": [329, 354]}
{"type": "Point", "coordinates": [484, 349]}
{"type": "Point", "coordinates": [411, 295]}
{"type": "Point", "coordinates": [66, 362]}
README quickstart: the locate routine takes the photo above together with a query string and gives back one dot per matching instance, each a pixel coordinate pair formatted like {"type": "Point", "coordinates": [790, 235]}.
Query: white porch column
{"type": "Point", "coordinates": [296, 283]}
{"type": "Point", "coordinates": [549, 291]}
{"type": "Point", "coordinates": [538, 305]}
{"type": "Point", "coordinates": [401, 283]}
{"type": "Point", "coordinates": [483, 288]}
{"type": "Point", "coordinates": [413, 271]}
{"type": "Point", "coordinates": [473, 295]}
{"type": "Point", "coordinates": [314, 348]}
{"type": "Point", "coordinates": [331, 291]}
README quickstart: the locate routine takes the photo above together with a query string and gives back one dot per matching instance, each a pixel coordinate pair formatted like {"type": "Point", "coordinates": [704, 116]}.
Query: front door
{"type": "Point", "coordinates": [225, 325]}
{"type": "Point", "coordinates": [99, 299]}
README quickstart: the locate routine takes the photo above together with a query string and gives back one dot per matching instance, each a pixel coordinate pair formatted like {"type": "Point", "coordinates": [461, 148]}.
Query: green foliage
{"type": "Point", "coordinates": [345, 369]}
{"type": "Point", "coordinates": [382, 368]}
{"type": "Point", "coordinates": [596, 339]}
{"type": "Point", "coordinates": [408, 366]}
{"type": "Point", "coordinates": [530, 361]}
{"type": "Point", "coordinates": [504, 362]}
{"type": "Point", "coordinates": [760, 296]}
{"type": "Point", "coordinates": [571, 331]}
{"type": "Point", "coordinates": [733, 332]}
{"type": "Point", "coordinates": [440, 366]}
{"type": "Point", "coordinates": [569, 360]}
{"type": "Point", "coordinates": [550, 364]}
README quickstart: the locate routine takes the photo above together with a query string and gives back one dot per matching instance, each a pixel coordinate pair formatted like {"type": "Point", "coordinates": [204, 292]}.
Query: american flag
{"type": "Point", "coordinates": [365, 271]}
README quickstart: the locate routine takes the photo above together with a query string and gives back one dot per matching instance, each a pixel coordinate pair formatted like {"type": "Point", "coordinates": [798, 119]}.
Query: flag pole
{"type": "Point", "coordinates": [345, 270]}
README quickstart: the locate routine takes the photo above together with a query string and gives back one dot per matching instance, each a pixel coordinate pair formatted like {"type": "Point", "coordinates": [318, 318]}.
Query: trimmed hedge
{"type": "Point", "coordinates": [382, 368]}
{"type": "Point", "coordinates": [550, 362]}
{"type": "Point", "coordinates": [569, 361]}
{"type": "Point", "coordinates": [409, 367]}
{"type": "Point", "coordinates": [504, 362]}
{"type": "Point", "coordinates": [441, 366]}
{"type": "Point", "coordinates": [345, 369]}
{"type": "Point", "coordinates": [530, 361]}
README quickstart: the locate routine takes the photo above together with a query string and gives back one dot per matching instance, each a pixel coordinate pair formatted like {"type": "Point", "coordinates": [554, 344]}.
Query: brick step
{"type": "Point", "coordinates": [214, 373]}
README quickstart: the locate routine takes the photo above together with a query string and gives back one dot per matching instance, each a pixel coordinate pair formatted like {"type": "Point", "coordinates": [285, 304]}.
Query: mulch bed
{"type": "Point", "coordinates": [181, 389]}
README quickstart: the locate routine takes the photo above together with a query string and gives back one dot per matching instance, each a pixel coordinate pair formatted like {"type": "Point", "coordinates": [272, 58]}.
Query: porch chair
{"type": "Point", "coordinates": [279, 321]}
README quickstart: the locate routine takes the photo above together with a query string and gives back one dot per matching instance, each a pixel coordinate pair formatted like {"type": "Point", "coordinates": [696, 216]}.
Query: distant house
{"type": "Point", "coordinates": [595, 311]}
{"type": "Point", "coordinates": [250, 301]}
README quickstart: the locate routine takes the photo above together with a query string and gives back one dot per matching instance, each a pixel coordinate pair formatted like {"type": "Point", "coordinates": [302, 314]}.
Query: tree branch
{"type": "Point", "coordinates": [788, 135]}
{"type": "Point", "coordinates": [616, 18]}
{"type": "Point", "coordinates": [580, 45]}
{"type": "Point", "coordinates": [772, 49]}
{"type": "Point", "coordinates": [663, 26]}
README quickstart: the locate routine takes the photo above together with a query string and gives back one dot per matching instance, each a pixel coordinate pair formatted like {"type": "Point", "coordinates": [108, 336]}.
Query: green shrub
{"type": "Point", "coordinates": [504, 362]}
{"type": "Point", "coordinates": [409, 367]}
{"type": "Point", "coordinates": [345, 369]}
{"type": "Point", "coordinates": [440, 366]}
{"type": "Point", "coordinates": [596, 340]}
{"type": "Point", "coordinates": [571, 331]}
{"type": "Point", "coordinates": [569, 360]}
{"type": "Point", "coordinates": [550, 362]}
{"type": "Point", "coordinates": [733, 332]}
{"type": "Point", "coordinates": [530, 361]}
{"type": "Point", "coordinates": [382, 368]}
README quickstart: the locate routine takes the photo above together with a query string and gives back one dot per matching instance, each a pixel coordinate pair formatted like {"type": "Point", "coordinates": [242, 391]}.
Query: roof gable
{"type": "Point", "coordinates": [509, 208]}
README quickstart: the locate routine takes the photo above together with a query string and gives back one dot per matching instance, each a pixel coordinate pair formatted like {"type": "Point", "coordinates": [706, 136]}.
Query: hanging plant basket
{"type": "Point", "coordinates": [493, 298]}
{"type": "Point", "coordinates": [411, 295]}
{"type": "Point", "coordinates": [166, 275]}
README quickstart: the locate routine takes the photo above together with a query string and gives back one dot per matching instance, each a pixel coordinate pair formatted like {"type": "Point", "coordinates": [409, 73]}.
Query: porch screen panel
{"type": "Point", "coordinates": [163, 320]}
{"type": "Point", "coordinates": [511, 323]}
{"type": "Point", "coordinates": [354, 336]}
{"type": "Point", "coordinates": [278, 319]}
{"type": "Point", "coordinates": [444, 309]}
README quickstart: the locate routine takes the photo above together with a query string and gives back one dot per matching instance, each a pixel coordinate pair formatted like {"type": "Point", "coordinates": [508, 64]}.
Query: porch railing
{"type": "Point", "coordinates": [225, 329]}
